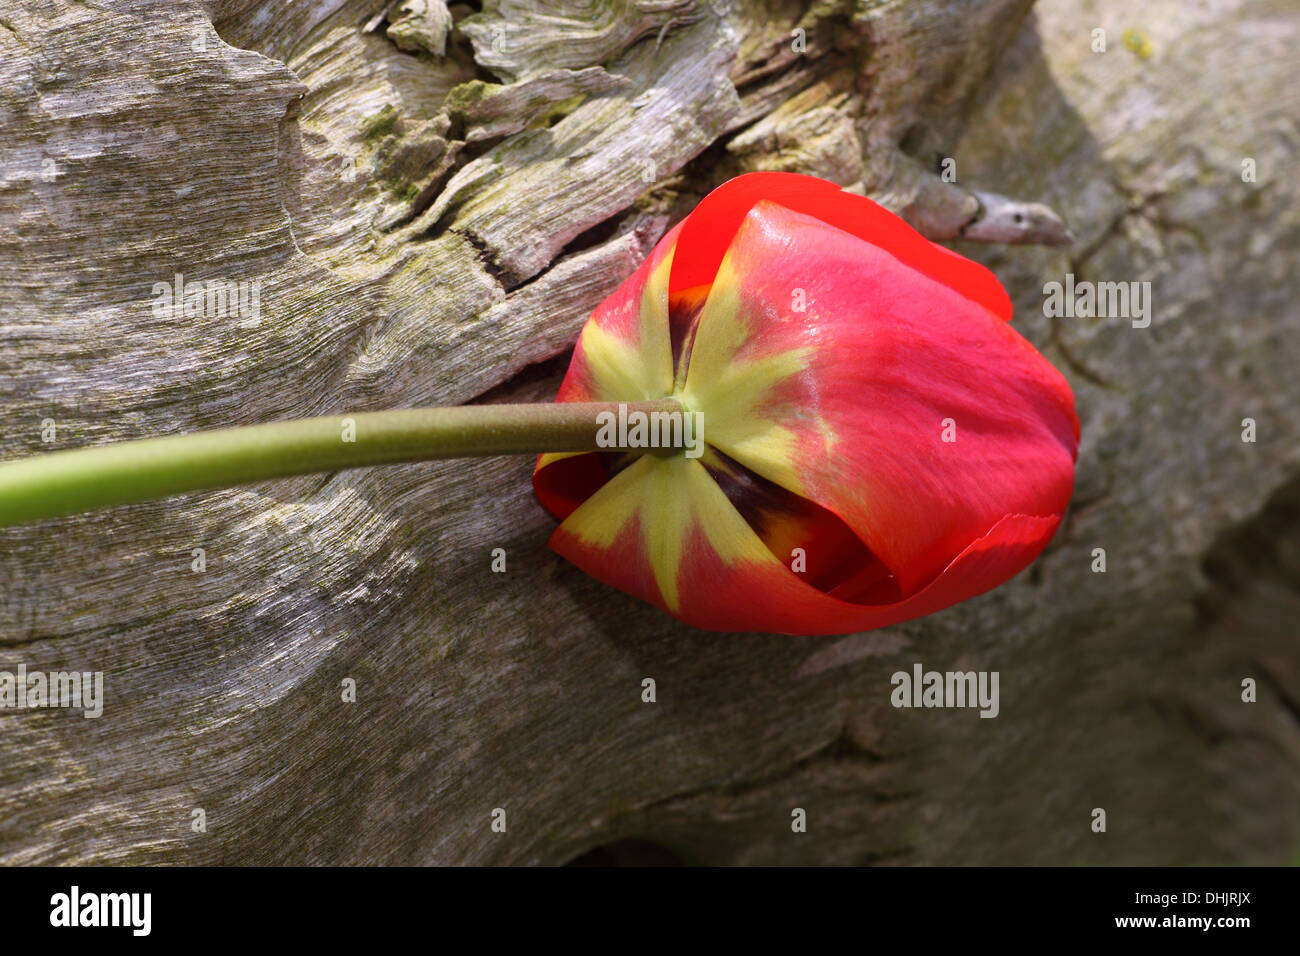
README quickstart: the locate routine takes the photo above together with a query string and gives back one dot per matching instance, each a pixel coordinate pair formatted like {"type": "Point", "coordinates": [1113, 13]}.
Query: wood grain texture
{"type": "Point", "coordinates": [433, 227]}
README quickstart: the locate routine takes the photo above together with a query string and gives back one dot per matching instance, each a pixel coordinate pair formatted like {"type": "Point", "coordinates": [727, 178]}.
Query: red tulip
{"type": "Point", "coordinates": [879, 442]}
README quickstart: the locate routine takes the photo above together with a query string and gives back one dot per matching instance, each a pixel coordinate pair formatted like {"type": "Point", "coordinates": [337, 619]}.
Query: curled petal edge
{"type": "Point", "coordinates": [751, 590]}
{"type": "Point", "coordinates": [707, 232]}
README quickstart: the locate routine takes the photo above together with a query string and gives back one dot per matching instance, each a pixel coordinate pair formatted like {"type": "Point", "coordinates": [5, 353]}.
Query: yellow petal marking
{"type": "Point", "coordinates": [637, 368]}
{"type": "Point", "coordinates": [731, 390]}
{"type": "Point", "coordinates": [672, 496]}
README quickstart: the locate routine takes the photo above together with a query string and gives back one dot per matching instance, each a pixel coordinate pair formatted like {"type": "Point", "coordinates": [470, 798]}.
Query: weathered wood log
{"type": "Point", "coordinates": [430, 198]}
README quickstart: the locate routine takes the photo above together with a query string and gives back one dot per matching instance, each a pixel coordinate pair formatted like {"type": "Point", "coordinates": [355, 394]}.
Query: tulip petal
{"type": "Point", "coordinates": [564, 480]}
{"type": "Point", "coordinates": [663, 531]}
{"type": "Point", "coordinates": [821, 547]}
{"type": "Point", "coordinates": [624, 353]}
{"type": "Point", "coordinates": [828, 346]}
{"type": "Point", "coordinates": [708, 231]}
{"type": "Point", "coordinates": [846, 402]}
{"type": "Point", "coordinates": [648, 520]}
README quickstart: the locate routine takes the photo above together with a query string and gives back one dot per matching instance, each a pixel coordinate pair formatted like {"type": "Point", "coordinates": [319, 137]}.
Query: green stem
{"type": "Point", "coordinates": [83, 479]}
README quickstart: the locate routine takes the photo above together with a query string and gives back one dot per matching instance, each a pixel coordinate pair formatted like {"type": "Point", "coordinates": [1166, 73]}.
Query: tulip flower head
{"type": "Point", "coordinates": [878, 443]}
